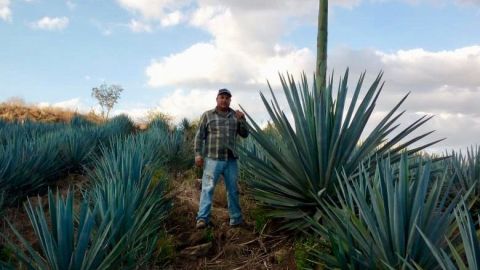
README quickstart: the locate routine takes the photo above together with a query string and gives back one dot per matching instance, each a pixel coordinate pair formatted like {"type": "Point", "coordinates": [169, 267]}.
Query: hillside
{"type": "Point", "coordinates": [19, 110]}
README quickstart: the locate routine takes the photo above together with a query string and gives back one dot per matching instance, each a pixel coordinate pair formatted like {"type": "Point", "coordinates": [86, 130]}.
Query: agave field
{"type": "Point", "coordinates": [115, 221]}
{"type": "Point", "coordinates": [352, 202]}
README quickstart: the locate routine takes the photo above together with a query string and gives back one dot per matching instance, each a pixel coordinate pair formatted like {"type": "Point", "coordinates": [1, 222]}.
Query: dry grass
{"type": "Point", "coordinates": [20, 111]}
{"type": "Point", "coordinates": [233, 248]}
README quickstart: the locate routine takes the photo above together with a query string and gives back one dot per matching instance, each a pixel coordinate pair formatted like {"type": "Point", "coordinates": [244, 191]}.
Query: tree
{"type": "Point", "coordinates": [107, 96]}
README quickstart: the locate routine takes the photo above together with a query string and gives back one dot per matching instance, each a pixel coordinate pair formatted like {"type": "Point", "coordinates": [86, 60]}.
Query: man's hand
{"type": "Point", "coordinates": [199, 161]}
{"type": "Point", "coordinates": [239, 114]}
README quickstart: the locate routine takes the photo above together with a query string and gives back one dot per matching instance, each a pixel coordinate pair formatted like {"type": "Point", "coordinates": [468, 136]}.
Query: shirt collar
{"type": "Point", "coordinates": [230, 110]}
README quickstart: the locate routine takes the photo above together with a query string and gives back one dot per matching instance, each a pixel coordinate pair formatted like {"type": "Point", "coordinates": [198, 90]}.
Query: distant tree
{"type": "Point", "coordinates": [107, 96]}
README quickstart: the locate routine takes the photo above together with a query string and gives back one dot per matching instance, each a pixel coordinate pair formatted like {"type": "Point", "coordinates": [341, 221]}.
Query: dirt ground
{"type": "Point", "coordinates": [224, 247]}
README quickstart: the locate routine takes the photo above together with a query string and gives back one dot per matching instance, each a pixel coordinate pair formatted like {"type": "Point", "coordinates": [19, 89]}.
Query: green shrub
{"type": "Point", "coordinates": [303, 253]}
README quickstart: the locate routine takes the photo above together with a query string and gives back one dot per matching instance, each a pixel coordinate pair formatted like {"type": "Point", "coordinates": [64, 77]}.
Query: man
{"type": "Point", "coordinates": [216, 136]}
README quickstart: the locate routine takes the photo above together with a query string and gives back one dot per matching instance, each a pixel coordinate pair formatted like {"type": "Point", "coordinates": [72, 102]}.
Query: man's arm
{"type": "Point", "coordinates": [242, 128]}
{"type": "Point", "coordinates": [199, 141]}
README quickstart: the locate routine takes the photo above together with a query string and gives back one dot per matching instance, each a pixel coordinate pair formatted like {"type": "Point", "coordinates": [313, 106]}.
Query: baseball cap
{"type": "Point", "coordinates": [224, 91]}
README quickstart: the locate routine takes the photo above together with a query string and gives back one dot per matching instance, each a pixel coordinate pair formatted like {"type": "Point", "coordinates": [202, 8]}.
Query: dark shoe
{"type": "Point", "coordinates": [201, 224]}
{"type": "Point", "coordinates": [237, 225]}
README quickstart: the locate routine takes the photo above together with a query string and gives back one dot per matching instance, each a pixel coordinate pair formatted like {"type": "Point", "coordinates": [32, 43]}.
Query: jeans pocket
{"type": "Point", "coordinates": [207, 181]}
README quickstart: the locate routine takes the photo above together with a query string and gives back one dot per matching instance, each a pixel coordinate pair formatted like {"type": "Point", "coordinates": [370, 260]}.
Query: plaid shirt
{"type": "Point", "coordinates": [217, 133]}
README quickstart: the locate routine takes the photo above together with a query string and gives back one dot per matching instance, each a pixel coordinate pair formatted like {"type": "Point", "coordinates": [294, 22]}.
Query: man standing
{"type": "Point", "coordinates": [216, 136]}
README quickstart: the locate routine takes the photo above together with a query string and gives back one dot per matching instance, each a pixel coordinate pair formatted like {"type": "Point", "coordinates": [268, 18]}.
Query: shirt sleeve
{"type": "Point", "coordinates": [242, 128]}
{"type": "Point", "coordinates": [201, 135]}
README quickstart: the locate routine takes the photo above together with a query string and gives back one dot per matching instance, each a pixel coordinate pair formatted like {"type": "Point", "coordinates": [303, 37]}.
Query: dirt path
{"type": "Point", "coordinates": [219, 246]}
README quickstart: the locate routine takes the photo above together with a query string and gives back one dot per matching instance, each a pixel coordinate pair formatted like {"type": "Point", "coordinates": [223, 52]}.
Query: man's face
{"type": "Point", "coordinates": [223, 102]}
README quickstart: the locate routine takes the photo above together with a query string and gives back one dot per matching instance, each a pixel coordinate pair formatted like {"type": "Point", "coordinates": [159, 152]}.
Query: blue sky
{"type": "Point", "coordinates": [171, 55]}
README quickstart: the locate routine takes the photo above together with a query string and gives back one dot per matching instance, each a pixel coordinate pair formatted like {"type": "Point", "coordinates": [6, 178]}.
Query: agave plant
{"type": "Point", "coordinates": [80, 121]}
{"type": "Point", "coordinates": [375, 223]}
{"type": "Point", "coordinates": [324, 137]}
{"type": "Point", "coordinates": [67, 244]}
{"type": "Point", "coordinates": [124, 158]}
{"type": "Point", "coordinates": [467, 170]}
{"type": "Point", "coordinates": [467, 254]}
{"type": "Point", "coordinates": [126, 196]}
{"type": "Point", "coordinates": [27, 165]}
{"type": "Point", "coordinates": [159, 123]}
{"type": "Point", "coordinates": [77, 146]}
{"type": "Point", "coordinates": [173, 143]}
{"type": "Point", "coordinates": [119, 125]}
{"type": "Point", "coordinates": [27, 130]}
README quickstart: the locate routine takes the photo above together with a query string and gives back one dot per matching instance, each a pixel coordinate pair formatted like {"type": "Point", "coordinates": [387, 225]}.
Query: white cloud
{"type": "Point", "coordinates": [177, 104]}
{"type": "Point", "coordinates": [5, 11]}
{"type": "Point", "coordinates": [442, 83]}
{"type": "Point", "coordinates": [455, 68]}
{"type": "Point", "coordinates": [194, 65]}
{"type": "Point", "coordinates": [137, 114]}
{"type": "Point", "coordinates": [138, 26]}
{"type": "Point", "coordinates": [51, 23]}
{"type": "Point", "coordinates": [153, 9]}
{"type": "Point", "coordinates": [172, 19]}
{"type": "Point", "coordinates": [240, 52]}
{"type": "Point", "coordinates": [75, 104]}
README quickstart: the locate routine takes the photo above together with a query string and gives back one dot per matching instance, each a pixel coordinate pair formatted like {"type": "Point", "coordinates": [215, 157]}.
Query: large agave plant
{"type": "Point", "coordinates": [127, 196]}
{"type": "Point", "coordinates": [67, 244]}
{"type": "Point", "coordinates": [466, 255]}
{"type": "Point", "coordinates": [293, 169]}
{"type": "Point", "coordinates": [375, 223]}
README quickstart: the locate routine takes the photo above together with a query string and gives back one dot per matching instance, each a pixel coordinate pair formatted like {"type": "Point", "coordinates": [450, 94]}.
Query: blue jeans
{"type": "Point", "coordinates": [211, 172]}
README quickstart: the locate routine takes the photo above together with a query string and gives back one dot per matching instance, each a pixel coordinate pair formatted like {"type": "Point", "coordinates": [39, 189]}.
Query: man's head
{"type": "Point", "coordinates": [223, 99]}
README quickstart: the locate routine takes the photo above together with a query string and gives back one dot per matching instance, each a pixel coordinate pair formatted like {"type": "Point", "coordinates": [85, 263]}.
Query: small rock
{"type": "Point", "coordinates": [196, 251]}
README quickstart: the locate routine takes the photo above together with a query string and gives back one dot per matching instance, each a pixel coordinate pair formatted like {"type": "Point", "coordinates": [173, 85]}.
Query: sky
{"type": "Point", "coordinates": [171, 56]}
